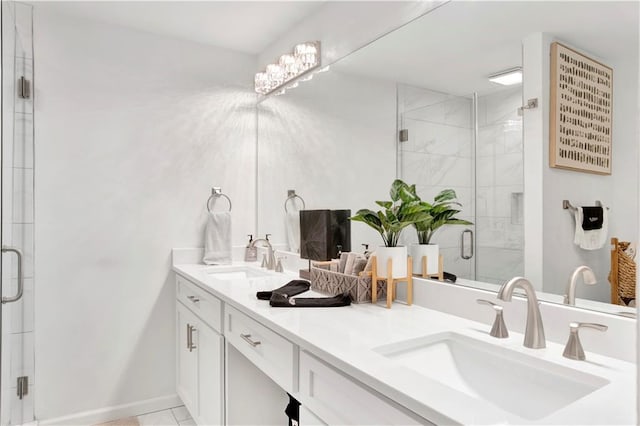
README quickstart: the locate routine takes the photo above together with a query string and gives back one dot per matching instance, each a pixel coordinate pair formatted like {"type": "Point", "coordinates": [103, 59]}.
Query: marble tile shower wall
{"type": "Point", "coordinates": [499, 187]}
{"type": "Point", "coordinates": [438, 155]}
{"type": "Point", "coordinates": [18, 219]}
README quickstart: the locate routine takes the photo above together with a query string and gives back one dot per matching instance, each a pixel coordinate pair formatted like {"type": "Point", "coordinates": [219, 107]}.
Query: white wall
{"type": "Point", "coordinates": [132, 131]}
{"type": "Point", "coordinates": [318, 140]}
{"type": "Point", "coordinates": [617, 191]}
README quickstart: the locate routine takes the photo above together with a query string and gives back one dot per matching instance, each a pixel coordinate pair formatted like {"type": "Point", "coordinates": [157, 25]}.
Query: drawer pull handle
{"type": "Point", "coordinates": [189, 337]}
{"type": "Point", "coordinates": [191, 345]}
{"type": "Point", "coordinates": [247, 338]}
{"type": "Point", "coordinates": [194, 299]}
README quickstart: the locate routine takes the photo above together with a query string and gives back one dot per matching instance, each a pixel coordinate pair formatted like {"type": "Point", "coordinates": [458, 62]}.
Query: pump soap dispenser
{"type": "Point", "coordinates": [250, 252]}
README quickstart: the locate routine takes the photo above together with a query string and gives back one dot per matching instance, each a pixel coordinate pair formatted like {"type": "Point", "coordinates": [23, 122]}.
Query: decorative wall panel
{"type": "Point", "coordinates": [581, 112]}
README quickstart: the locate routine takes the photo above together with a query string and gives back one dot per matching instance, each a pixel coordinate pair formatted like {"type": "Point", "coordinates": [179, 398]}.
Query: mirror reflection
{"type": "Point", "coordinates": [438, 103]}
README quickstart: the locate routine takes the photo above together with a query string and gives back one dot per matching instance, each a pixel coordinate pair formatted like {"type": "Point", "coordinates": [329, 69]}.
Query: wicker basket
{"type": "Point", "coordinates": [623, 274]}
{"type": "Point", "coordinates": [333, 283]}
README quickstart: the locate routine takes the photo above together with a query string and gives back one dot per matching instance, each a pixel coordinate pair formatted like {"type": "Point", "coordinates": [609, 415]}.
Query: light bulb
{"type": "Point", "coordinates": [261, 82]}
{"type": "Point", "coordinates": [289, 66]}
{"type": "Point", "coordinates": [275, 74]}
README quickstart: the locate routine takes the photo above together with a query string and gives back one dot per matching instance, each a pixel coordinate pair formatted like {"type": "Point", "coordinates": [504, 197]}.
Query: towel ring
{"type": "Point", "coordinates": [216, 192]}
{"type": "Point", "coordinates": [291, 195]}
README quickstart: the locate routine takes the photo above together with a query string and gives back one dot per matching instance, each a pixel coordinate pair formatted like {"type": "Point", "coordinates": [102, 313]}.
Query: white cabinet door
{"type": "Point", "coordinates": [187, 359]}
{"type": "Point", "coordinates": [210, 347]}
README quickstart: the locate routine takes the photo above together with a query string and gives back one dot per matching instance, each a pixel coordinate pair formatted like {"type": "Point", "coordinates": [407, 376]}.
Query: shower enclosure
{"type": "Point", "coordinates": [473, 145]}
{"type": "Point", "coordinates": [17, 234]}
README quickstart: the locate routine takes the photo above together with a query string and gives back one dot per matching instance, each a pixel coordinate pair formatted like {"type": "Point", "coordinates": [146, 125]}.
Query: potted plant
{"type": "Point", "coordinates": [441, 212]}
{"type": "Point", "coordinates": [404, 209]}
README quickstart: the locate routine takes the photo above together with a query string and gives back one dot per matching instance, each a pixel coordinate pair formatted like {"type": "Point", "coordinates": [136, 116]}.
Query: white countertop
{"type": "Point", "coordinates": [345, 337]}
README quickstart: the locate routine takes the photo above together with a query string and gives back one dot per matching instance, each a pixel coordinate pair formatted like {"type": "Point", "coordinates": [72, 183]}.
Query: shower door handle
{"type": "Point", "coordinates": [462, 244]}
{"type": "Point", "coordinates": [18, 294]}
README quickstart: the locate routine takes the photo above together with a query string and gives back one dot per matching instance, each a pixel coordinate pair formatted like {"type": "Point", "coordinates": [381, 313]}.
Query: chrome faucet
{"type": "Point", "coordinates": [534, 330]}
{"type": "Point", "coordinates": [588, 277]}
{"type": "Point", "coordinates": [271, 257]}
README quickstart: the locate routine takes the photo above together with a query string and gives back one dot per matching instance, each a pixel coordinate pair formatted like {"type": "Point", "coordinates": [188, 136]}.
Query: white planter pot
{"type": "Point", "coordinates": [398, 256]}
{"type": "Point", "coordinates": [432, 251]}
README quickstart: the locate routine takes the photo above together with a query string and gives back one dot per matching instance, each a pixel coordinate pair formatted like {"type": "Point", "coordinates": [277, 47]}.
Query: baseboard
{"type": "Point", "coordinates": [115, 412]}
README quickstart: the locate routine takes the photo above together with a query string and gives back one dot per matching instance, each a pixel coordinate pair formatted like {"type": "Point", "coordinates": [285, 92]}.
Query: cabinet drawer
{"type": "Point", "coordinates": [339, 399]}
{"type": "Point", "coordinates": [273, 354]}
{"type": "Point", "coordinates": [206, 306]}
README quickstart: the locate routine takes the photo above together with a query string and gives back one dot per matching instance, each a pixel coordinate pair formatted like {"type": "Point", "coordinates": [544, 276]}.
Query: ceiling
{"type": "Point", "coordinates": [243, 26]}
{"type": "Point", "coordinates": [456, 47]}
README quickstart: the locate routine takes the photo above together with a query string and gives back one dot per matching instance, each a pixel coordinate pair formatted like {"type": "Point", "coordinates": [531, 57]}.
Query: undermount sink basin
{"type": "Point", "coordinates": [515, 382]}
{"type": "Point", "coordinates": [230, 273]}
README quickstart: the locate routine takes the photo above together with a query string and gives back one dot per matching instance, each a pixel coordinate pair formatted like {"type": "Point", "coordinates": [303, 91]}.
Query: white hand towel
{"type": "Point", "coordinates": [292, 224]}
{"type": "Point", "coordinates": [351, 260]}
{"type": "Point", "coordinates": [355, 264]}
{"type": "Point", "coordinates": [595, 238]}
{"type": "Point", "coordinates": [217, 239]}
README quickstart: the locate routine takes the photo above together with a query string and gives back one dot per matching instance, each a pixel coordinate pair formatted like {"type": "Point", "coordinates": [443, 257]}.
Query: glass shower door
{"type": "Point", "coordinates": [436, 152]}
{"type": "Point", "coordinates": [473, 145]}
{"type": "Point", "coordinates": [16, 323]}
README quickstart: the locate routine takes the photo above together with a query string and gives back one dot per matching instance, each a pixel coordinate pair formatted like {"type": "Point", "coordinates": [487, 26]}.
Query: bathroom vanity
{"type": "Point", "coordinates": [237, 358]}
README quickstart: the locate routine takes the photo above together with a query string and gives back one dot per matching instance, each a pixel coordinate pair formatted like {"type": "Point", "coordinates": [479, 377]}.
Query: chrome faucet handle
{"type": "Point", "coordinates": [499, 328]}
{"type": "Point", "coordinates": [279, 267]}
{"type": "Point", "coordinates": [271, 258]}
{"type": "Point", "coordinates": [574, 350]}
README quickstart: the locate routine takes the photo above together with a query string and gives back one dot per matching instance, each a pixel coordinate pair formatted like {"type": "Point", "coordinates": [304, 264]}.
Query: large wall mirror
{"type": "Point", "coordinates": [335, 139]}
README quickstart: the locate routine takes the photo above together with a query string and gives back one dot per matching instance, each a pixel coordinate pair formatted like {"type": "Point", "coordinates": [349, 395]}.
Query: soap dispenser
{"type": "Point", "coordinates": [250, 251]}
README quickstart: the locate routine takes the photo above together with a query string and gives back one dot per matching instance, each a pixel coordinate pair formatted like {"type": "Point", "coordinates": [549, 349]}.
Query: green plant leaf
{"type": "Point", "coordinates": [445, 195]}
{"type": "Point", "coordinates": [396, 188]}
{"type": "Point", "coordinates": [385, 204]}
{"type": "Point", "coordinates": [458, 222]}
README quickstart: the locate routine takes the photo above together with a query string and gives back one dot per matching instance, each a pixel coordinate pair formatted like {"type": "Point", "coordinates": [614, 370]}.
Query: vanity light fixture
{"type": "Point", "coordinates": [508, 77]}
{"type": "Point", "coordinates": [289, 70]}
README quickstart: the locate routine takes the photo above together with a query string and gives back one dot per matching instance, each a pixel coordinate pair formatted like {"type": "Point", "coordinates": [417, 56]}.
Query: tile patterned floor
{"type": "Point", "coordinates": [178, 416]}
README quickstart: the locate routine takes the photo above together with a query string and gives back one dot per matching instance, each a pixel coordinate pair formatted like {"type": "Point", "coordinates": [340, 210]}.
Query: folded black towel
{"type": "Point", "coordinates": [293, 411]}
{"type": "Point", "coordinates": [447, 276]}
{"type": "Point", "coordinates": [592, 218]}
{"type": "Point", "coordinates": [291, 288]}
{"type": "Point", "coordinates": [281, 301]}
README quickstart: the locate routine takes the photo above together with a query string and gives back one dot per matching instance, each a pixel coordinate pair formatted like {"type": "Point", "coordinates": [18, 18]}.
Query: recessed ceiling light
{"type": "Point", "coordinates": [507, 77]}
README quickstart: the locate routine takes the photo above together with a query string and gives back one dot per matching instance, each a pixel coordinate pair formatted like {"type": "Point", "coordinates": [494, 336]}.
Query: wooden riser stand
{"type": "Point", "coordinates": [391, 282]}
{"type": "Point", "coordinates": [425, 274]}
